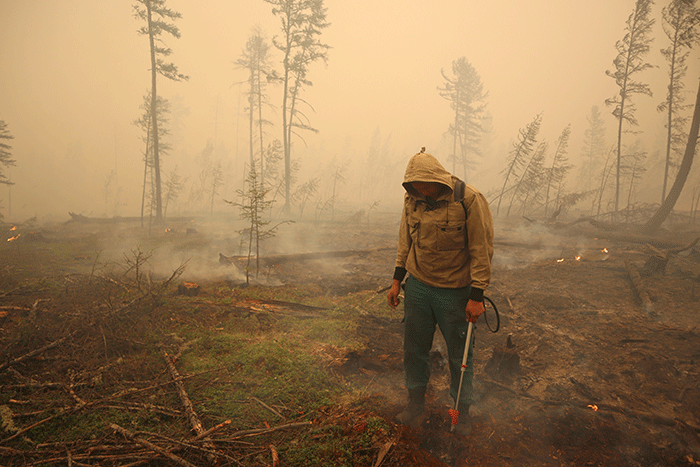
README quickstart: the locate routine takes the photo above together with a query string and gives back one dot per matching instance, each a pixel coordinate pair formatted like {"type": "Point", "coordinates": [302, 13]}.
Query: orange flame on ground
{"type": "Point", "coordinates": [167, 230]}
{"type": "Point", "coordinates": [13, 238]}
{"type": "Point", "coordinates": [14, 227]}
{"type": "Point", "coordinates": [560, 260]}
{"type": "Point", "coordinates": [578, 258]}
{"type": "Point", "coordinates": [604, 250]}
{"type": "Point", "coordinates": [593, 406]}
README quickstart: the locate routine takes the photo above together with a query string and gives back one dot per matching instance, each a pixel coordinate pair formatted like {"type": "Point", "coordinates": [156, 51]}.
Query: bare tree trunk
{"type": "Point", "coordinates": [667, 206]}
{"type": "Point", "coordinates": [260, 126]}
{"type": "Point", "coordinates": [154, 115]}
{"type": "Point", "coordinates": [145, 171]}
{"type": "Point", "coordinates": [286, 137]}
{"type": "Point", "coordinates": [454, 138]}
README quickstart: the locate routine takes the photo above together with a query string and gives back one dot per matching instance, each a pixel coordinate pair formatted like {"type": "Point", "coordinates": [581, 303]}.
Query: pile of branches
{"type": "Point", "coordinates": [119, 445]}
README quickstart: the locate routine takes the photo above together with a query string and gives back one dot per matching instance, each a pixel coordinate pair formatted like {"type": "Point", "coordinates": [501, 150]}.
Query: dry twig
{"type": "Point", "coordinates": [267, 407]}
{"type": "Point", "coordinates": [130, 436]}
{"type": "Point", "coordinates": [34, 352]}
{"type": "Point", "coordinates": [187, 403]}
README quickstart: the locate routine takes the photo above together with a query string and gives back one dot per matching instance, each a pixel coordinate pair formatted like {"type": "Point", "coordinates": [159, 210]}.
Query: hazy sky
{"type": "Point", "coordinates": [74, 74]}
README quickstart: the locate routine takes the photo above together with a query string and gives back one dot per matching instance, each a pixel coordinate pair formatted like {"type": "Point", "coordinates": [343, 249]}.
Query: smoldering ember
{"type": "Point", "coordinates": [161, 354]}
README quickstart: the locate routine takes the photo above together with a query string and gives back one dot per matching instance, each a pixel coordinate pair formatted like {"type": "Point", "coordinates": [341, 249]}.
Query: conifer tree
{"type": "Point", "coordinates": [466, 95]}
{"type": "Point", "coordinates": [255, 59]}
{"type": "Point", "coordinates": [519, 155]}
{"type": "Point", "coordinates": [680, 22]}
{"type": "Point", "coordinates": [5, 153]}
{"type": "Point", "coordinates": [628, 64]}
{"type": "Point", "coordinates": [302, 23]}
{"type": "Point", "coordinates": [593, 148]}
{"type": "Point", "coordinates": [156, 15]}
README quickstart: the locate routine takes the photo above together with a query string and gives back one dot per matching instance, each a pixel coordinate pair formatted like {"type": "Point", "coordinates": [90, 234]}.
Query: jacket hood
{"type": "Point", "coordinates": [424, 167]}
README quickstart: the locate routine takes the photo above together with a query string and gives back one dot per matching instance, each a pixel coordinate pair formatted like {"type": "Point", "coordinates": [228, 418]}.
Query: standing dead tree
{"type": "Point", "coordinates": [628, 64]}
{"type": "Point", "coordinates": [519, 154]}
{"type": "Point", "coordinates": [559, 169]}
{"type": "Point", "coordinates": [5, 157]}
{"type": "Point", "coordinates": [680, 21]}
{"type": "Point", "coordinates": [466, 95]}
{"type": "Point", "coordinates": [255, 59]}
{"type": "Point", "coordinates": [593, 149]}
{"type": "Point", "coordinates": [667, 206]}
{"type": "Point", "coordinates": [528, 189]}
{"type": "Point", "coordinates": [156, 15]}
{"type": "Point", "coordinates": [5, 154]}
{"type": "Point", "coordinates": [145, 123]}
{"type": "Point", "coordinates": [302, 23]}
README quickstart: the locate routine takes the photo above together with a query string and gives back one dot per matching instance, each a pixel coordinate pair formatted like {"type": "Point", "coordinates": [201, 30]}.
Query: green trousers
{"type": "Point", "coordinates": [424, 307]}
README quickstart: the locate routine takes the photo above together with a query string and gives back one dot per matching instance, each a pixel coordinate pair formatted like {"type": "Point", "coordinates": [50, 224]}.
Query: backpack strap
{"type": "Point", "coordinates": [458, 192]}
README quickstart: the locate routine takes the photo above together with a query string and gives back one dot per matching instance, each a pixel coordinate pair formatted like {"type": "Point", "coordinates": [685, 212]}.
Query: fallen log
{"type": "Point", "coordinates": [277, 259]}
{"type": "Point", "coordinates": [79, 218]}
{"type": "Point", "coordinates": [675, 251]}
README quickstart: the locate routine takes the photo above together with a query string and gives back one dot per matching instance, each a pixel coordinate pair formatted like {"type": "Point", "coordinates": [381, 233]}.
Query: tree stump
{"type": "Point", "coordinates": [504, 364]}
{"type": "Point", "coordinates": [189, 289]}
{"type": "Point", "coordinates": [638, 286]}
{"type": "Point", "coordinates": [656, 263]}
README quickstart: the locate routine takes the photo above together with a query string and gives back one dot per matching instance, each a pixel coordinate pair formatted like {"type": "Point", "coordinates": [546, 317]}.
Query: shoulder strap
{"type": "Point", "coordinates": [458, 191]}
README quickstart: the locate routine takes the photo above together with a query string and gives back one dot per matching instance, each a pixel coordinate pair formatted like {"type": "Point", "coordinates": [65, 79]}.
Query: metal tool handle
{"type": "Point", "coordinates": [454, 413]}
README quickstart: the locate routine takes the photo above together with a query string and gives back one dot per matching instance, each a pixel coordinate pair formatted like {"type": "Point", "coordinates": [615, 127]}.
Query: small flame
{"type": "Point", "coordinates": [167, 230]}
{"type": "Point", "coordinates": [560, 260]}
{"type": "Point", "coordinates": [578, 258]}
{"type": "Point", "coordinates": [13, 238]}
{"type": "Point", "coordinates": [14, 227]}
{"type": "Point", "coordinates": [593, 406]}
{"type": "Point", "coordinates": [604, 250]}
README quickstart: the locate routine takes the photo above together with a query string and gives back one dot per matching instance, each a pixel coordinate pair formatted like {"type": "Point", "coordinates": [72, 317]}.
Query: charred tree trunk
{"type": "Point", "coordinates": [667, 206]}
{"type": "Point", "coordinates": [154, 115]}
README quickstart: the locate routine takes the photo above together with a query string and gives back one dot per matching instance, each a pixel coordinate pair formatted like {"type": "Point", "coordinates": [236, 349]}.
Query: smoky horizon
{"type": "Point", "coordinates": [77, 75]}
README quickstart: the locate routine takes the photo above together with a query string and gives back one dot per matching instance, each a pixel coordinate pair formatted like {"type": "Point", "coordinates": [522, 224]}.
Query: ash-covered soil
{"type": "Point", "coordinates": [580, 372]}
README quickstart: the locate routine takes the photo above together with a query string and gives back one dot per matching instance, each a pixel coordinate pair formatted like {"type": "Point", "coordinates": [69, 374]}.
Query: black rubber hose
{"type": "Point", "coordinates": [498, 317]}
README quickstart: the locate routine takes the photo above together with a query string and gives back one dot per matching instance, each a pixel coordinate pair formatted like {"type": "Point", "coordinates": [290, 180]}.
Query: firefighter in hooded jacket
{"type": "Point", "coordinates": [445, 246]}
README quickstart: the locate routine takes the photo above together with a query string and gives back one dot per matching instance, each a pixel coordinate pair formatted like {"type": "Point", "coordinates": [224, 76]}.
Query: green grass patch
{"type": "Point", "coordinates": [279, 371]}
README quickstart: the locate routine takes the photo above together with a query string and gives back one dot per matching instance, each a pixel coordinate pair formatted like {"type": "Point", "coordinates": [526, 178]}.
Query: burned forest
{"type": "Point", "coordinates": [108, 361]}
{"type": "Point", "coordinates": [207, 210]}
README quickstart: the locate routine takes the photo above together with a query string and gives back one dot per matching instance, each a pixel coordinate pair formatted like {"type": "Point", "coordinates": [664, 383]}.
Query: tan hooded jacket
{"type": "Point", "coordinates": [436, 245]}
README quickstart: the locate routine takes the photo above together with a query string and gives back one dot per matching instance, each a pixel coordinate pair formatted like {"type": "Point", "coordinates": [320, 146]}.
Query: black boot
{"type": "Point", "coordinates": [413, 413]}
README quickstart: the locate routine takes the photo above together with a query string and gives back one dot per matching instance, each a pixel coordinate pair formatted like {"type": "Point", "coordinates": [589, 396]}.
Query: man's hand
{"type": "Point", "coordinates": [393, 295]}
{"type": "Point", "coordinates": [474, 310]}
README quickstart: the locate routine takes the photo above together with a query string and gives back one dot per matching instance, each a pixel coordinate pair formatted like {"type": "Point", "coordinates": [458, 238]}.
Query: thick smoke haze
{"type": "Point", "coordinates": [75, 73]}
